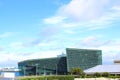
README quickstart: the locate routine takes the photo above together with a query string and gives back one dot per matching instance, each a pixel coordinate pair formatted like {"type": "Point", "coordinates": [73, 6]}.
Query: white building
{"type": "Point", "coordinates": [8, 73]}
{"type": "Point", "coordinates": [112, 69]}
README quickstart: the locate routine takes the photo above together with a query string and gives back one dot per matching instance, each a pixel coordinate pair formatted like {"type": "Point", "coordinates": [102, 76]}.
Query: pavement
{"type": "Point", "coordinates": [6, 78]}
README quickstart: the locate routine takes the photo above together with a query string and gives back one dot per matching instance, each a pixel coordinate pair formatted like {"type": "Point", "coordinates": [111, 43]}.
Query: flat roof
{"type": "Point", "coordinates": [83, 49]}
{"type": "Point", "coordinates": [113, 69]}
{"type": "Point", "coordinates": [116, 61]}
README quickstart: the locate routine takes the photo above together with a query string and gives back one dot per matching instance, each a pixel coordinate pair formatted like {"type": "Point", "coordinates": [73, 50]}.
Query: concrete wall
{"type": "Point", "coordinates": [96, 79]}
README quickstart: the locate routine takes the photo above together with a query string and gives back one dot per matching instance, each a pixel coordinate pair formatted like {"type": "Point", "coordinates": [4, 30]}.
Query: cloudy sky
{"type": "Point", "coordinates": [32, 29]}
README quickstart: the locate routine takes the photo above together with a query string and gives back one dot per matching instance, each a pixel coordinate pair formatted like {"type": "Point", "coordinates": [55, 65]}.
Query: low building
{"type": "Point", "coordinates": [8, 73]}
{"type": "Point", "coordinates": [117, 62]}
{"type": "Point", "coordinates": [111, 69]}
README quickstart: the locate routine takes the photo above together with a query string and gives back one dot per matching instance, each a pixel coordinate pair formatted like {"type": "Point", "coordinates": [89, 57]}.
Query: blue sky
{"type": "Point", "coordinates": [45, 28]}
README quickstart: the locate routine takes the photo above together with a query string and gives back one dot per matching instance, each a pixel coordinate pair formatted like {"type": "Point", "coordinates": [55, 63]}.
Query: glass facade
{"type": "Point", "coordinates": [83, 58]}
{"type": "Point", "coordinates": [43, 66]}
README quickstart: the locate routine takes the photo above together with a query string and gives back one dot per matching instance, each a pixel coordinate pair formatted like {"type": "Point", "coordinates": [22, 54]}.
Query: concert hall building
{"type": "Point", "coordinates": [79, 58]}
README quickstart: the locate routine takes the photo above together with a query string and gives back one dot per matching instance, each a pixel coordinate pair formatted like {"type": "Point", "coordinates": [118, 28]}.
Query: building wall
{"type": "Point", "coordinates": [117, 62]}
{"type": "Point", "coordinates": [83, 58]}
{"type": "Point", "coordinates": [43, 66]}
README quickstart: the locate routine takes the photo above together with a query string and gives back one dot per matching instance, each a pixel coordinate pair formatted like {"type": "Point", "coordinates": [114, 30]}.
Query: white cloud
{"type": "Point", "coordinates": [72, 18]}
{"type": "Point", "coordinates": [109, 57]}
{"type": "Point", "coordinates": [7, 34]}
{"type": "Point", "coordinates": [69, 31]}
{"type": "Point", "coordinates": [89, 39]}
{"type": "Point", "coordinates": [16, 45]}
{"type": "Point", "coordinates": [11, 58]}
{"type": "Point", "coordinates": [54, 20]}
{"type": "Point", "coordinates": [2, 48]}
{"type": "Point", "coordinates": [116, 8]}
{"type": "Point", "coordinates": [110, 48]}
{"type": "Point", "coordinates": [77, 15]}
{"type": "Point", "coordinates": [5, 56]}
{"type": "Point", "coordinates": [83, 9]}
{"type": "Point", "coordinates": [35, 55]}
{"type": "Point", "coordinates": [106, 45]}
{"type": "Point", "coordinates": [87, 14]}
{"type": "Point", "coordinates": [44, 54]}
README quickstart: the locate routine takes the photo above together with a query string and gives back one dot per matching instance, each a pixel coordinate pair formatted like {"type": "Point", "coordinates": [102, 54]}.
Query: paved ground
{"type": "Point", "coordinates": [96, 79]}
{"type": "Point", "coordinates": [6, 79]}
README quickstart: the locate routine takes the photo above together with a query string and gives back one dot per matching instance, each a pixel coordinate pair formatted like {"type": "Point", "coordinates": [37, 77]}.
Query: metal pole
{"type": "Point", "coordinates": [36, 68]}
{"type": "Point", "coordinates": [44, 70]}
{"type": "Point", "coordinates": [56, 69]}
{"type": "Point", "coordinates": [24, 70]}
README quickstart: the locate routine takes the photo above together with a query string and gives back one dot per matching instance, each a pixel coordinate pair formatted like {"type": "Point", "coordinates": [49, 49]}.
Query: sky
{"type": "Point", "coordinates": [31, 29]}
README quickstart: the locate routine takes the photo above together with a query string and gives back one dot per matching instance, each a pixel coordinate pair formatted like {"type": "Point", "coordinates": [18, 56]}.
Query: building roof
{"type": "Point", "coordinates": [42, 59]}
{"type": "Point", "coordinates": [9, 69]}
{"type": "Point", "coordinates": [117, 61]}
{"type": "Point", "coordinates": [83, 49]}
{"type": "Point", "coordinates": [112, 69]}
